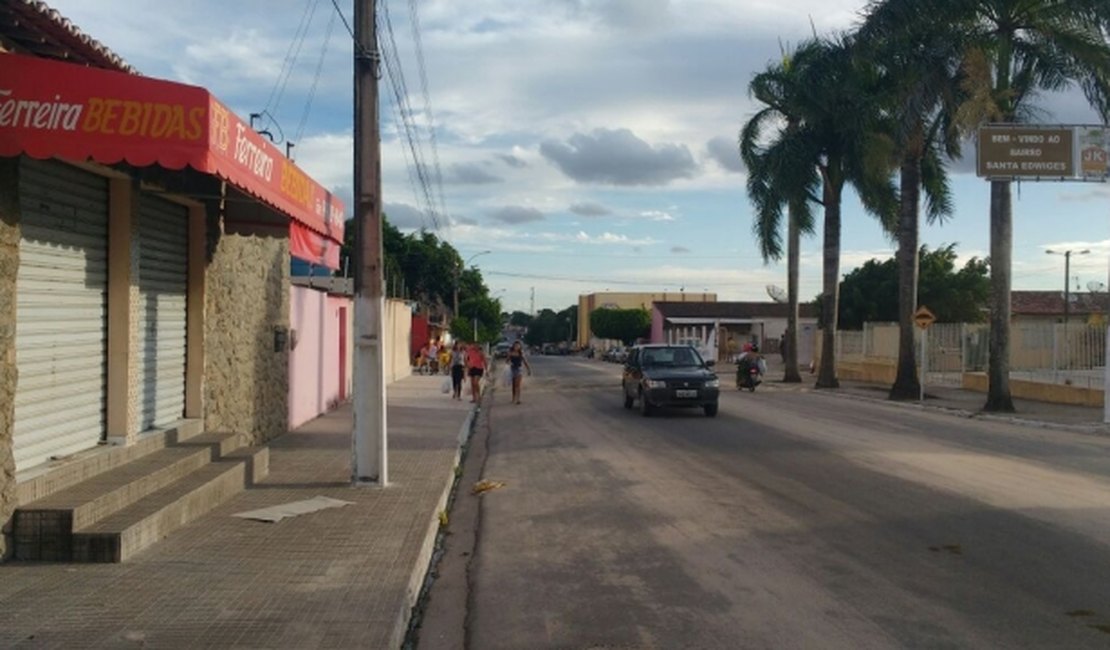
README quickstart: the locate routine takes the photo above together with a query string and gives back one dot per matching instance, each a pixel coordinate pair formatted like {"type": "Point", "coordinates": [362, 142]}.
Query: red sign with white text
{"type": "Point", "coordinates": [49, 108]}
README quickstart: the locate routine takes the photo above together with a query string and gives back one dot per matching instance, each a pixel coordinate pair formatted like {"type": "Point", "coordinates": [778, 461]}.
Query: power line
{"type": "Point", "coordinates": [291, 56]}
{"type": "Point", "coordinates": [418, 41]}
{"type": "Point", "coordinates": [346, 24]}
{"type": "Point", "coordinates": [315, 80]}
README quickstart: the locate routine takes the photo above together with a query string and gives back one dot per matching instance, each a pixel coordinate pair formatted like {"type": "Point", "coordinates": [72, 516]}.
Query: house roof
{"type": "Point", "coordinates": [33, 27]}
{"type": "Point", "coordinates": [1051, 303]}
{"type": "Point", "coordinates": [731, 310]}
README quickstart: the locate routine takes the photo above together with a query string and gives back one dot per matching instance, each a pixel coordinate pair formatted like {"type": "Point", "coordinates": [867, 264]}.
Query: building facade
{"type": "Point", "coordinates": [587, 303]}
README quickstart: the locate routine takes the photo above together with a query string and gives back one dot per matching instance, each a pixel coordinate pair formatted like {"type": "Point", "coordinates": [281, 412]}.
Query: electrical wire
{"type": "Point", "coordinates": [418, 41]}
{"type": "Point", "coordinates": [315, 80]}
{"type": "Point", "coordinates": [395, 72]}
{"type": "Point", "coordinates": [291, 56]}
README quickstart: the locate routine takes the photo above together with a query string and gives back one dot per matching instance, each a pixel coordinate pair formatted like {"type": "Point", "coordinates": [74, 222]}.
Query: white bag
{"type": "Point", "coordinates": [507, 377]}
{"type": "Point", "coordinates": [446, 386]}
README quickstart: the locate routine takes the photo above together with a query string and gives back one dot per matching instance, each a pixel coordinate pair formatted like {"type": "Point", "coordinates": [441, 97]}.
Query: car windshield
{"type": "Point", "coordinates": [677, 357]}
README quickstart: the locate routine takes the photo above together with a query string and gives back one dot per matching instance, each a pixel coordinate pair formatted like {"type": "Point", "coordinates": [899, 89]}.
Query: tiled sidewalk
{"type": "Point", "coordinates": [339, 578]}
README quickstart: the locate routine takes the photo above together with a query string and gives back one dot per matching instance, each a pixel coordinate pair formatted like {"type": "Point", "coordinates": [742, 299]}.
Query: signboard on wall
{"type": "Point", "coordinates": [1044, 152]}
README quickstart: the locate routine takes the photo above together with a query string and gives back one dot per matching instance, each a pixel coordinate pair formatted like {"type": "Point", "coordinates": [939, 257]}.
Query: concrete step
{"type": "Point", "coordinates": [119, 536]}
{"type": "Point", "coordinates": [42, 529]}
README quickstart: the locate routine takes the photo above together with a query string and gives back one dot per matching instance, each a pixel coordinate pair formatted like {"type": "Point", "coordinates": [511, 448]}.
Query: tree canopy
{"type": "Point", "coordinates": [625, 325]}
{"type": "Point", "coordinates": [552, 327]}
{"type": "Point", "coordinates": [870, 292]}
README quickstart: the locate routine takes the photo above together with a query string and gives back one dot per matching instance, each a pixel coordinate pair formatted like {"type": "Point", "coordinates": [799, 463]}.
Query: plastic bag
{"type": "Point", "coordinates": [507, 377]}
{"type": "Point", "coordinates": [446, 386]}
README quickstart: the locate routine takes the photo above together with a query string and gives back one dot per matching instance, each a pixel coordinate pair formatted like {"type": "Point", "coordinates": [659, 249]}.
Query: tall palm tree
{"type": "Point", "coordinates": [920, 60]}
{"type": "Point", "coordinates": [1014, 49]}
{"type": "Point", "coordinates": [833, 141]}
{"type": "Point", "coordinates": [774, 181]}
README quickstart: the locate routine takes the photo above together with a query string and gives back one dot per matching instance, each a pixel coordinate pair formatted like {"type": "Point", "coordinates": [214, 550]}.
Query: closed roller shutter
{"type": "Point", "coordinates": [61, 312]}
{"type": "Point", "coordinates": [163, 278]}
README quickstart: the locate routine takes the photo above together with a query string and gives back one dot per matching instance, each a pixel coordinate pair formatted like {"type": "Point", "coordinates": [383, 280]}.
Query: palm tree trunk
{"type": "Point", "coordinates": [1002, 234]}
{"type": "Point", "coordinates": [906, 385]}
{"type": "Point", "coordinates": [830, 299]}
{"type": "Point", "coordinates": [793, 246]}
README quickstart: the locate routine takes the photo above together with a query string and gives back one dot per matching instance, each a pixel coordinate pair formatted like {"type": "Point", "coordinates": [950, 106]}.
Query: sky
{"type": "Point", "coordinates": [587, 145]}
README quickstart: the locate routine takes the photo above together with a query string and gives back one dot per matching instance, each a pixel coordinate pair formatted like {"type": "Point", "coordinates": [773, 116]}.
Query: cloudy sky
{"type": "Point", "coordinates": [589, 145]}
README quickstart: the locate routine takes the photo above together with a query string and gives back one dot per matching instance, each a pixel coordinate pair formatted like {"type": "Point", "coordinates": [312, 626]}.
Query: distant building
{"type": "Point", "coordinates": [1048, 307]}
{"type": "Point", "coordinates": [587, 303]}
{"type": "Point", "coordinates": [720, 329]}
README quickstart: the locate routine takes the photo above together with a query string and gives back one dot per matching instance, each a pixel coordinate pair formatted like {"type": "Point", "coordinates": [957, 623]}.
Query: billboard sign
{"type": "Point", "coordinates": [1044, 152]}
{"type": "Point", "coordinates": [1011, 151]}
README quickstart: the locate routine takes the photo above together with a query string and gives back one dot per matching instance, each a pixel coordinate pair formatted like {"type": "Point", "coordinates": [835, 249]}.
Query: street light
{"type": "Point", "coordinates": [458, 271]}
{"type": "Point", "coordinates": [1067, 293]}
{"type": "Point", "coordinates": [1067, 280]}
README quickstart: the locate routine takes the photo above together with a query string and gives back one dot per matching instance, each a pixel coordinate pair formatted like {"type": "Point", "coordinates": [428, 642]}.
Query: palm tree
{"type": "Point", "coordinates": [1012, 50]}
{"type": "Point", "coordinates": [920, 61]}
{"type": "Point", "coordinates": [833, 139]}
{"type": "Point", "coordinates": [774, 181]}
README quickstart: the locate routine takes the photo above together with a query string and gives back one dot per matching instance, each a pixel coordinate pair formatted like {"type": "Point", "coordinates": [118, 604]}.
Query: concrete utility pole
{"type": "Point", "coordinates": [370, 463]}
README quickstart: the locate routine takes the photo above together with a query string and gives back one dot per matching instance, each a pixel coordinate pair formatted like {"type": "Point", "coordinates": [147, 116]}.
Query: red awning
{"type": "Point", "coordinates": [52, 109]}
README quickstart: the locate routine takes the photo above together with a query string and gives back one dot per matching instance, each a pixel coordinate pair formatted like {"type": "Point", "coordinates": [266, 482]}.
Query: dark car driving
{"type": "Point", "coordinates": [662, 375]}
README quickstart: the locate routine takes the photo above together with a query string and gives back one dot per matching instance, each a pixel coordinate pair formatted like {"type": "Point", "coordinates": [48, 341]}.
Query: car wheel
{"type": "Point", "coordinates": [711, 410]}
{"type": "Point", "coordinates": [645, 406]}
{"type": "Point", "coordinates": [627, 400]}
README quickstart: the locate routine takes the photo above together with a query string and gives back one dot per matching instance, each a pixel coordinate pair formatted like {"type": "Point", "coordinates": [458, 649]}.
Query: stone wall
{"type": "Point", "coordinates": [9, 264]}
{"type": "Point", "coordinates": [246, 384]}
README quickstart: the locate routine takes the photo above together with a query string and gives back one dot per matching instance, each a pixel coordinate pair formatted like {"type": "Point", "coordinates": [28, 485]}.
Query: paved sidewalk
{"type": "Point", "coordinates": [340, 578]}
{"type": "Point", "coordinates": [963, 402]}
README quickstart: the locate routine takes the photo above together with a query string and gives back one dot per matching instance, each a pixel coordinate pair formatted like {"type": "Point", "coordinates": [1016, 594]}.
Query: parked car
{"type": "Point", "coordinates": [616, 355]}
{"type": "Point", "coordinates": [662, 375]}
{"type": "Point", "coordinates": [501, 350]}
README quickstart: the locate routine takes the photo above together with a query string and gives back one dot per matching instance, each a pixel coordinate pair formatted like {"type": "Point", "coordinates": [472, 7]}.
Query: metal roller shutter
{"type": "Point", "coordinates": [163, 279]}
{"type": "Point", "coordinates": [61, 312]}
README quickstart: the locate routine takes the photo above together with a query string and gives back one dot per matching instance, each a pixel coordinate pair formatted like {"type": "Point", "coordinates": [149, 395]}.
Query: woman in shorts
{"type": "Point", "coordinates": [517, 365]}
{"type": "Point", "coordinates": [475, 367]}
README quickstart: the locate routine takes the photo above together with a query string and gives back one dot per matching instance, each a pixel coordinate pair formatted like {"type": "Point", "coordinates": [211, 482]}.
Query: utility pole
{"type": "Point", "coordinates": [533, 305]}
{"type": "Point", "coordinates": [369, 464]}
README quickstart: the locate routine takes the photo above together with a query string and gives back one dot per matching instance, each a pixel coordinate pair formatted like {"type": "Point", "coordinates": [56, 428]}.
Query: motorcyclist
{"type": "Point", "coordinates": [749, 357]}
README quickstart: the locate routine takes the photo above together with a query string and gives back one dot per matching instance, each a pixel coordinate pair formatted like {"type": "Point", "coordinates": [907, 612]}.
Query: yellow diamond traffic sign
{"type": "Point", "coordinates": [923, 317]}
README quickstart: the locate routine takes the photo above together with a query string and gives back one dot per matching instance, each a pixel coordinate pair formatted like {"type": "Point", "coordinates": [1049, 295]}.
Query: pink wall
{"type": "Point", "coordinates": [656, 326]}
{"type": "Point", "coordinates": [314, 361]}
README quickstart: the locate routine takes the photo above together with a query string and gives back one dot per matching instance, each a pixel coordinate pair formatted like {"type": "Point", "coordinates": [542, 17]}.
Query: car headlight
{"type": "Point", "coordinates": [713, 383]}
{"type": "Point", "coordinates": [654, 383]}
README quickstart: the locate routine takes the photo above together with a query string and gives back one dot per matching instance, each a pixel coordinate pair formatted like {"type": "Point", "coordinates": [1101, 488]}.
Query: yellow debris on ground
{"type": "Point", "coordinates": [486, 485]}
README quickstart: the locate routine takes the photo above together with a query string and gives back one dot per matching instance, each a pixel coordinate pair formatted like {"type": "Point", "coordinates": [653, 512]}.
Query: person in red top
{"type": "Point", "coordinates": [475, 367]}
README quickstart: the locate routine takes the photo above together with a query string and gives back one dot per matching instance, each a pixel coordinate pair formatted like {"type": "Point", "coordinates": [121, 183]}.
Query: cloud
{"type": "Point", "coordinates": [470, 174]}
{"type": "Point", "coordinates": [657, 215]}
{"type": "Point", "coordinates": [406, 217]}
{"type": "Point", "coordinates": [512, 161]}
{"type": "Point", "coordinates": [610, 238]}
{"type": "Point", "coordinates": [725, 152]}
{"type": "Point", "coordinates": [517, 215]}
{"type": "Point", "coordinates": [618, 157]}
{"type": "Point", "coordinates": [590, 209]}
{"type": "Point", "coordinates": [1097, 193]}
{"type": "Point", "coordinates": [679, 249]}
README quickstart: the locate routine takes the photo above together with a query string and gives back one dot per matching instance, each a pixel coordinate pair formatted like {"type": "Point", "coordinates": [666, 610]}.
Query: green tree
{"type": "Point", "coordinates": [837, 134]}
{"type": "Point", "coordinates": [624, 325]}
{"type": "Point", "coordinates": [481, 311]}
{"type": "Point", "coordinates": [520, 319]}
{"type": "Point", "coordinates": [774, 181]}
{"type": "Point", "coordinates": [1012, 50]}
{"type": "Point", "coordinates": [870, 293]}
{"type": "Point", "coordinates": [922, 90]}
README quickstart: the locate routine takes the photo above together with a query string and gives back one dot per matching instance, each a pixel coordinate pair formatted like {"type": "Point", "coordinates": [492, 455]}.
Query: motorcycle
{"type": "Point", "coordinates": [748, 375]}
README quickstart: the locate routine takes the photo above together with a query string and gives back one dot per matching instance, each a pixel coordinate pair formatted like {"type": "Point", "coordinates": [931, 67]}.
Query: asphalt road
{"type": "Point", "coordinates": [794, 519]}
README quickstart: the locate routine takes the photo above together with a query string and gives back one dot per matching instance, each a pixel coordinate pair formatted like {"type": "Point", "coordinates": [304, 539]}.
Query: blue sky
{"type": "Point", "coordinates": [588, 144]}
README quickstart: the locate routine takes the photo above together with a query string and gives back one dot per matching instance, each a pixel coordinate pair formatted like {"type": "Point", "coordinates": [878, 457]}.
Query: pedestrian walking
{"type": "Point", "coordinates": [517, 364]}
{"type": "Point", "coordinates": [458, 369]}
{"type": "Point", "coordinates": [476, 365]}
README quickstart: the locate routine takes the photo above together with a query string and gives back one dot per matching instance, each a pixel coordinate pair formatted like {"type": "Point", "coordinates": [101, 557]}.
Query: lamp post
{"type": "Point", "coordinates": [458, 271]}
{"type": "Point", "coordinates": [1067, 291]}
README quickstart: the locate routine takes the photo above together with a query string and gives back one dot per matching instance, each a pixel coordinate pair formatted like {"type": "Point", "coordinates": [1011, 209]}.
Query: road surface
{"type": "Point", "coordinates": [794, 519]}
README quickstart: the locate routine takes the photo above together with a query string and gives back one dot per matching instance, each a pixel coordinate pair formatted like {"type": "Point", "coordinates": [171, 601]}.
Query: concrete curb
{"type": "Point", "coordinates": [427, 548]}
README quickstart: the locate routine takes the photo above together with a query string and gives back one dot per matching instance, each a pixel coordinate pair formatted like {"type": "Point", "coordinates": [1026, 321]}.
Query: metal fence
{"type": "Point", "coordinates": [1044, 352]}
